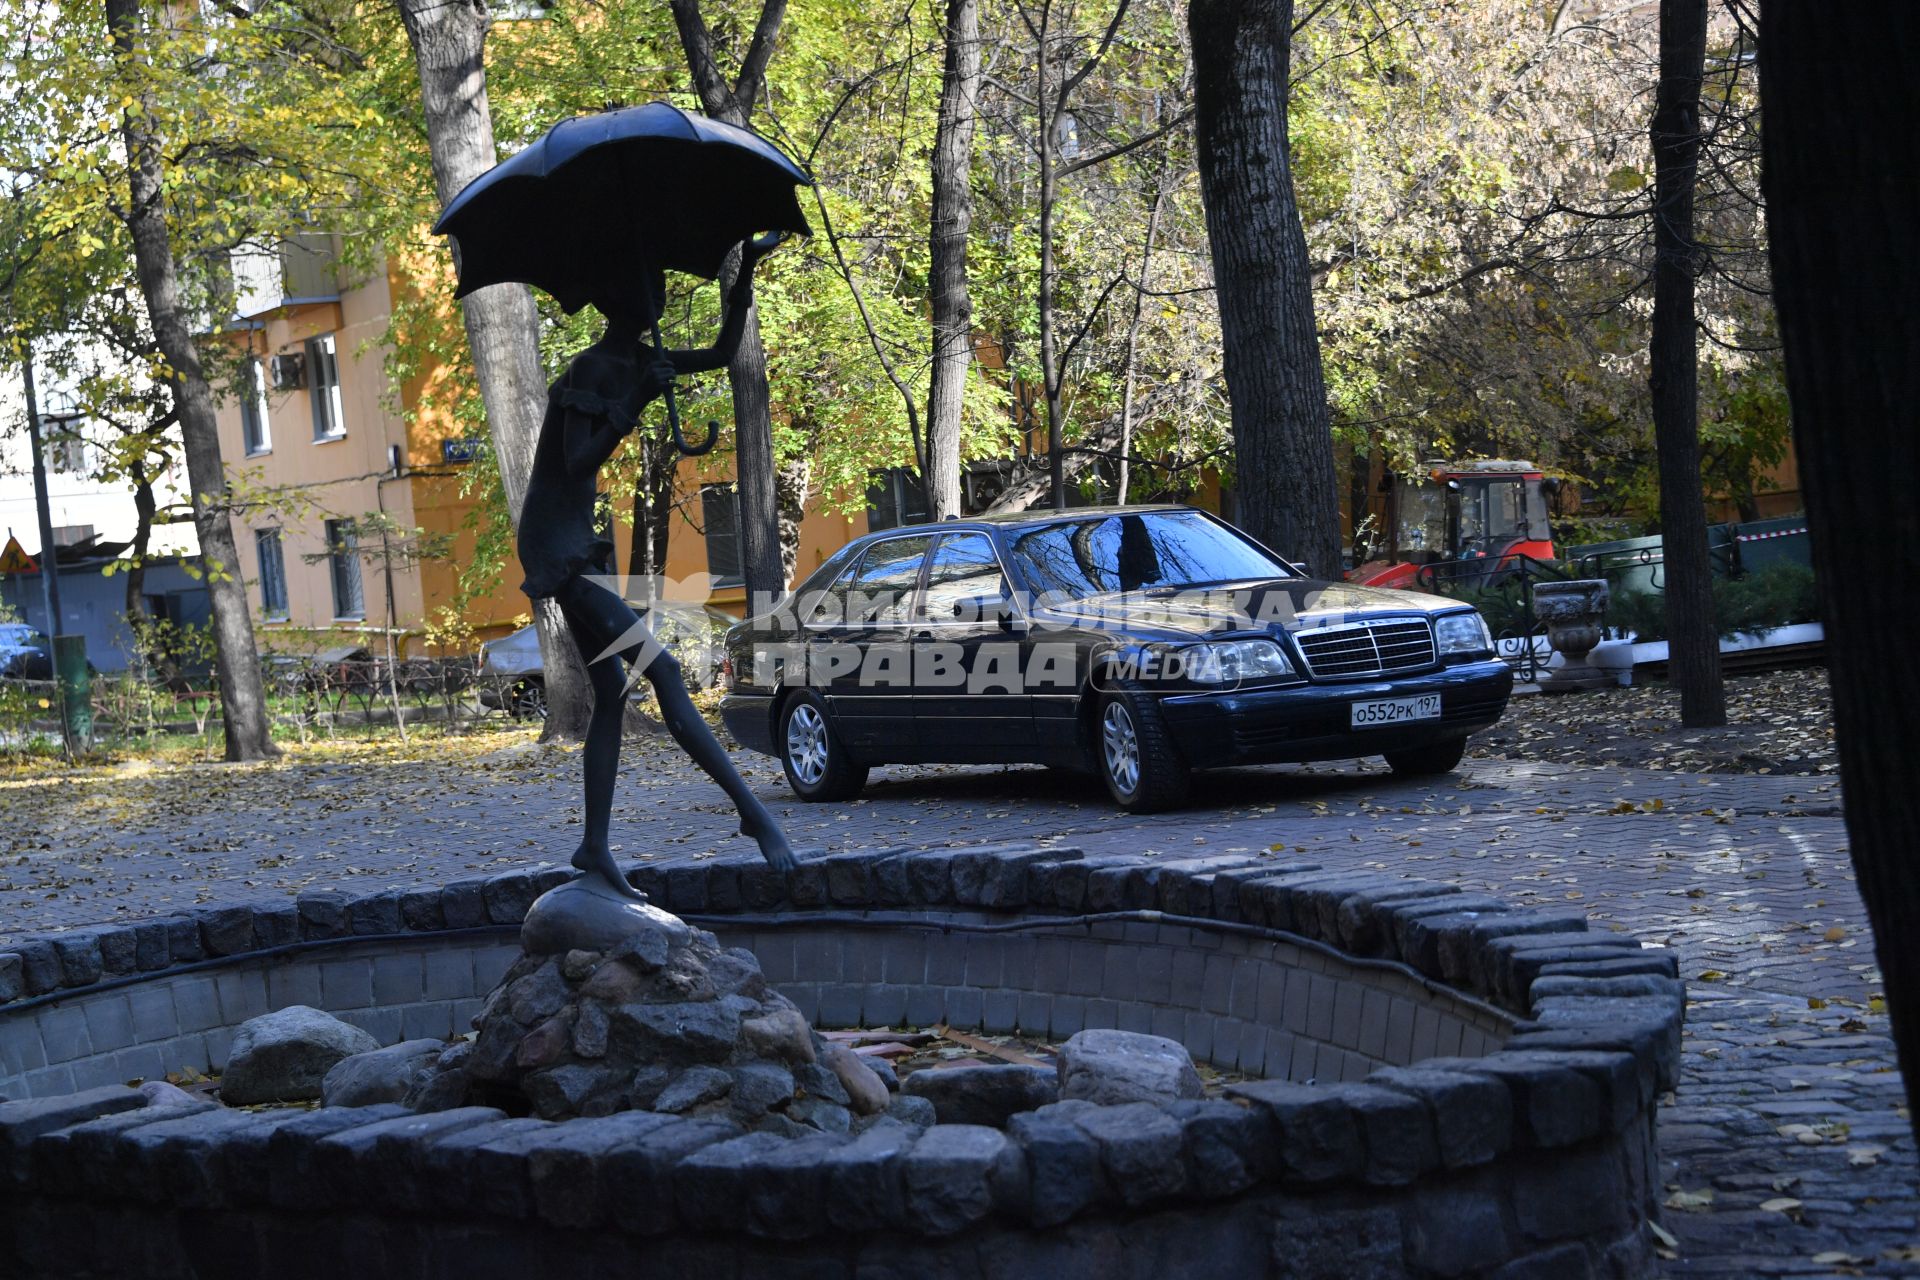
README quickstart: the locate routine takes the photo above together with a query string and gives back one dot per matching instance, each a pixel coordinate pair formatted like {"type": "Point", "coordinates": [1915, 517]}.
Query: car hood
{"type": "Point", "coordinates": [1265, 605]}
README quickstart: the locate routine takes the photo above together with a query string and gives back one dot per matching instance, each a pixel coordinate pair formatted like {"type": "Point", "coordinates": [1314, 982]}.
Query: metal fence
{"type": "Point", "coordinates": [308, 697]}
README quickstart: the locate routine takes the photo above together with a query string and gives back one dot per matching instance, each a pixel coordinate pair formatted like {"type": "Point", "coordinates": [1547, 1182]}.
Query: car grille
{"type": "Point", "coordinates": [1366, 648]}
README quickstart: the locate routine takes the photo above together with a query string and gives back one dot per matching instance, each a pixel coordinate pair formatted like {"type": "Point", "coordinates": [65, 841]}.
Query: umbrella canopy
{"type": "Point", "coordinates": [599, 193]}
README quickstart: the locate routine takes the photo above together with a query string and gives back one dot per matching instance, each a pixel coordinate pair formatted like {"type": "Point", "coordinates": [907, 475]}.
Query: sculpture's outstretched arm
{"type": "Point", "coordinates": [739, 302]}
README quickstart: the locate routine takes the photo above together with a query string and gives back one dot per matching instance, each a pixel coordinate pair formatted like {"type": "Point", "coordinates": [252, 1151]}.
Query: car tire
{"type": "Point", "coordinates": [527, 700]}
{"type": "Point", "coordinates": [1136, 756]}
{"type": "Point", "coordinates": [1427, 761]}
{"type": "Point", "coordinates": [815, 763]}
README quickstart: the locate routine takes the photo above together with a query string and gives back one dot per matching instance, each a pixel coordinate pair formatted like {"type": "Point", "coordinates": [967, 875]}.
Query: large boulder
{"type": "Point", "coordinates": [284, 1056]}
{"type": "Point", "coordinates": [1107, 1066]}
{"type": "Point", "coordinates": [988, 1095]}
{"type": "Point", "coordinates": [383, 1075]}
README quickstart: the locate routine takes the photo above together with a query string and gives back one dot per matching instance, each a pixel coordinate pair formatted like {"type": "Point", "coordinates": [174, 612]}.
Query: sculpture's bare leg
{"type": "Point", "coordinates": [598, 618]}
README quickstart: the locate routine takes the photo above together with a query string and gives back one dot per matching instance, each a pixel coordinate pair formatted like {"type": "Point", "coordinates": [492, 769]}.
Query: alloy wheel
{"type": "Point", "coordinates": [1121, 746]}
{"type": "Point", "coordinates": [807, 744]}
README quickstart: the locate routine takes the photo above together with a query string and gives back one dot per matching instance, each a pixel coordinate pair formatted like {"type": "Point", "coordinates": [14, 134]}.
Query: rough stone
{"type": "Point", "coordinates": [538, 996]}
{"type": "Point", "coordinates": [782, 1034]}
{"type": "Point", "coordinates": [1139, 1148]}
{"type": "Point", "coordinates": [1108, 1066]}
{"type": "Point", "coordinates": [952, 1174]}
{"type": "Point", "coordinates": [590, 1030]}
{"type": "Point", "coordinates": [575, 1089]}
{"type": "Point", "coordinates": [159, 1093]}
{"type": "Point", "coordinates": [1063, 1166]}
{"type": "Point", "coordinates": [684, 1032]}
{"type": "Point", "coordinates": [818, 1113]}
{"type": "Point", "coordinates": [984, 1095]}
{"type": "Point", "coordinates": [759, 1087]}
{"type": "Point", "coordinates": [915, 1113]}
{"type": "Point", "coordinates": [80, 962]}
{"type": "Point", "coordinates": [691, 1088]}
{"type": "Point", "coordinates": [284, 1056]}
{"type": "Point", "coordinates": [1318, 1138]}
{"type": "Point", "coordinates": [820, 1081]}
{"type": "Point", "coordinates": [383, 1075]}
{"type": "Point", "coordinates": [1473, 1115]}
{"type": "Point", "coordinates": [866, 1093]}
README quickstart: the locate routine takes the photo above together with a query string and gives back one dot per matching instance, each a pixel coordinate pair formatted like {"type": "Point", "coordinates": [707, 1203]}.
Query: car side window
{"type": "Point", "coordinates": [964, 567]}
{"type": "Point", "coordinates": [829, 607]}
{"type": "Point", "coordinates": [883, 589]}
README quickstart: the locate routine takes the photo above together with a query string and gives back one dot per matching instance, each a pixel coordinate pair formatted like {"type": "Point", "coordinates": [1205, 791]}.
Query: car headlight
{"type": "Point", "coordinates": [1462, 633]}
{"type": "Point", "coordinates": [1237, 662]}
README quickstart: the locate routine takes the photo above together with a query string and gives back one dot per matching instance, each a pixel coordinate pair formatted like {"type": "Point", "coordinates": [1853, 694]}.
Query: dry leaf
{"type": "Point", "coordinates": [1780, 1204]}
{"type": "Point", "coordinates": [1691, 1201]}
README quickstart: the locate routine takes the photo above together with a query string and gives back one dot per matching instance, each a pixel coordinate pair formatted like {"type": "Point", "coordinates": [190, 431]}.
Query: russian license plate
{"type": "Point", "coordinates": [1384, 711]}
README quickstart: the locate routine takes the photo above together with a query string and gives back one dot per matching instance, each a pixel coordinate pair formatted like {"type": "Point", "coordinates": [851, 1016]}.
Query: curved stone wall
{"type": "Point", "coordinates": [1484, 1084]}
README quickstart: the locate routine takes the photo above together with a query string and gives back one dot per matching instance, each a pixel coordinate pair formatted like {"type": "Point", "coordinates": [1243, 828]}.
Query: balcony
{"type": "Point", "coordinates": [302, 269]}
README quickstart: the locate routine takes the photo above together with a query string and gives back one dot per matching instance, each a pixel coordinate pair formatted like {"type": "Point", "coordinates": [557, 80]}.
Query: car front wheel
{"type": "Point", "coordinates": [1422, 762]}
{"type": "Point", "coordinates": [1138, 761]}
{"type": "Point", "coordinates": [816, 764]}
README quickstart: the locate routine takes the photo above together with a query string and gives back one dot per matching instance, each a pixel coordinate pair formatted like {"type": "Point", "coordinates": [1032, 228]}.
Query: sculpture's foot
{"type": "Point", "coordinates": [765, 832]}
{"type": "Point", "coordinates": [598, 862]}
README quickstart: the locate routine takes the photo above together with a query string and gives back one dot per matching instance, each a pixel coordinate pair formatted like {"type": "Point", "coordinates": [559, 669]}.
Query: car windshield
{"type": "Point", "coordinates": [1138, 552]}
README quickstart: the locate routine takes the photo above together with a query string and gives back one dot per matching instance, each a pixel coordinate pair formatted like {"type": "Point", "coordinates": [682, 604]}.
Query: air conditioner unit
{"type": "Point", "coordinates": [288, 372]}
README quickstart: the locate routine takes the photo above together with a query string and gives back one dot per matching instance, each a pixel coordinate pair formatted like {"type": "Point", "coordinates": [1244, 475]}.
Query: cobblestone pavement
{"type": "Point", "coordinates": [1787, 1149]}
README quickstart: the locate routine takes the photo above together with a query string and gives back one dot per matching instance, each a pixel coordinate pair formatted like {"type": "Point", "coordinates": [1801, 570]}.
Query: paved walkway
{"type": "Point", "coordinates": [1787, 1150]}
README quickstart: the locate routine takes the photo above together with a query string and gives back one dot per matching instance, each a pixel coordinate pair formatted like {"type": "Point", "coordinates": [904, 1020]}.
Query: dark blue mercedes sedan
{"type": "Point", "coordinates": [1140, 643]}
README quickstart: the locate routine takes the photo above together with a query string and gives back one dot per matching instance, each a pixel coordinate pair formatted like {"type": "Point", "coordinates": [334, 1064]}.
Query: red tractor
{"type": "Point", "coordinates": [1470, 520]}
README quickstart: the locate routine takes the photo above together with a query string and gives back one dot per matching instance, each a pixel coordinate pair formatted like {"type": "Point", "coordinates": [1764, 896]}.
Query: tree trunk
{"type": "Point", "coordinates": [952, 297]}
{"type": "Point", "coordinates": [1284, 483]}
{"type": "Point", "coordinates": [144, 507]}
{"type": "Point", "coordinates": [1051, 375]}
{"type": "Point", "coordinates": [754, 473]}
{"type": "Point", "coordinates": [449, 44]}
{"type": "Point", "coordinates": [1841, 165]}
{"type": "Point", "coordinates": [243, 699]}
{"type": "Point", "coordinates": [1125, 477]}
{"type": "Point", "coordinates": [752, 403]}
{"type": "Point", "coordinates": [794, 484]}
{"type": "Point", "coordinates": [1693, 640]}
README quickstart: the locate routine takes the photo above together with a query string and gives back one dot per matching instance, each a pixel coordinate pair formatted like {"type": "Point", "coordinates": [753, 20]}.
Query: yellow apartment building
{"type": "Point", "coordinates": [316, 439]}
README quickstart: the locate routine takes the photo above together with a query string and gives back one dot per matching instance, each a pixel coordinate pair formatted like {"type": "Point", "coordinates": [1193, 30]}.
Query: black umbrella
{"type": "Point", "coordinates": [648, 183]}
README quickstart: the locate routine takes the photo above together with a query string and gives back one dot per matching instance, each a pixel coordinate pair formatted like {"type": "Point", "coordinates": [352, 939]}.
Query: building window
{"type": "Point", "coordinates": [894, 498]}
{"type": "Point", "coordinates": [273, 574]}
{"type": "Point", "coordinates": [68, 456]}
{"type": "Point", "coordinates": [323, 384]}
{"type": "Point", "coordinates": [343, 558]}
{"type": "Point", "coordinates": [720, 515]}
{"type": "Point", "coordinates": [253, 408]}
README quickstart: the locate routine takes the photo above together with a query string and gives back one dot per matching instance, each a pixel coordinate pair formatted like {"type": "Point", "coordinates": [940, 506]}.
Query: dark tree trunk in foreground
{"type": "Point", "coordinates": [1842, 166]}
{"type": "Point", "coordinates": [243, 700]}
{"type": "Point", "coordinates": [952, 298]}
{"type": "Point", "coordinates": [752, 403]}
{"type": "Point", "coordinates": [1693, 641]}
{"type": "Point", "coordinates": [1284, 486]}
{"type": "Point", "coordinates": [449, 43]}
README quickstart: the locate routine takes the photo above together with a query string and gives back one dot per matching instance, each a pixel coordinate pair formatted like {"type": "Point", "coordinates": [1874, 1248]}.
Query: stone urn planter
{"type": "Point", "coordinates": [1574, 613]}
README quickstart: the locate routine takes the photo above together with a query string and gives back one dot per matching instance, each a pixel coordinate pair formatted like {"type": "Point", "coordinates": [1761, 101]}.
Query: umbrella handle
{"type": "Point", "coordinates": [673, 416]}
